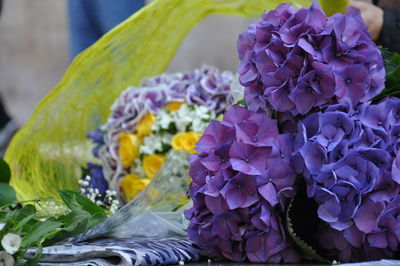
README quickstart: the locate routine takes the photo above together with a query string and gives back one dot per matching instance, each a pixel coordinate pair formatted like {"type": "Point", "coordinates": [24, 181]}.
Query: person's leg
{"type": "Point", "coordinates": [4, 117]}
{"type": "Point", "coordinates": [90, 19]}
{"type": "Point", "coordinates": [83, 28]}
{"type": "Point", "coordinates": [110, 13]}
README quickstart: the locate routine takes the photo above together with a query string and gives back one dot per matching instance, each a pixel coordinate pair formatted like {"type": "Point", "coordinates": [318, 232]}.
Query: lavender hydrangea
{"type": "Point", "coordinates": [206, 86]}
{"type": "Point", "coordinates": [295, 60]}
{"type": "Point", "coordinates": [349, 159]}
{"type": "Point", "coordinates": [242, 178]}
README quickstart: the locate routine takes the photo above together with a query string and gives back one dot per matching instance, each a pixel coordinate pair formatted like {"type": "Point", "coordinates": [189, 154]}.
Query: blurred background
{"type": "Point", "coordinates": [35, 51]}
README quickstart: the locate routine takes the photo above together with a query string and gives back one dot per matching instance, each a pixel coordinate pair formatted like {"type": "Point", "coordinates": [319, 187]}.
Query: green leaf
{"type": "Point", "coordinates": [242, 103]}
{"type": "Point", "coordinates": [76, 201]}
{"type": "Point", "coordinates": [27, 210]}
{"type": "Point", "coordinates": [20, 226]}
{"type": "Point", "coordinates": [96, 219]}
{"type": "Point", "coordinates": [39, 231]}
{"type": "Point", "coordinates": [17, 215]}
{"type": "Point", "coordinates": [7, 195]}
{"type": "Point", "coordinates": [392, 67]}
{"type": "Point", "coordinates": [307, 249]}
{"type": "Point", "coordinates": [74, 225]}
{"type": "Point", "coordinates": [5, 173]}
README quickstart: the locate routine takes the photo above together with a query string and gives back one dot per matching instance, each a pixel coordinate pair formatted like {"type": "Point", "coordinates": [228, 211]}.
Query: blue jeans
{"type": "Point", "coordinates": [90, 19]}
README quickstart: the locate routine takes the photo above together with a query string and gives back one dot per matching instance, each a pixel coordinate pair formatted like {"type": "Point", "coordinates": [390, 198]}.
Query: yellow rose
{"type": "Point", "coordinates": [128, 148]}
{"type": "Point", "coordinates": [186, 141]}
{"type": "Point", "coordinates": [144, 127]}
{"type": "Point", "coordinates": [174, 106]}
{"type": "Point", "coordinates": [152, 163]}
{"type": "Point", "coordinates": [131, 185]}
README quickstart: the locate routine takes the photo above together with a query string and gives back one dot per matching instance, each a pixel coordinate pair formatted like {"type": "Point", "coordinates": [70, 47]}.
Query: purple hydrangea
{"type": "Point", "coordinates": [295, 60]}
{"type": "Point", "coordinates": [348, 159]}
{"type": "Point", "coordinates": [206, 86]}
{"type": "Point", "coordinates": [242, 178]}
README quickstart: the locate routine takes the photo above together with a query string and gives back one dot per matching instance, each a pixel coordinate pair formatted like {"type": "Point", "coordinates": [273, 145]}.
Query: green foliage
{"type": "Point", "coordinates": [39, 231]}
{"type": "Point", "coordinates": [242, 103]}
{"type": "Point", "coordinates": [302, 224]}
{"type": "Point", "coordinates": [305, 247]}
{"type": "Point", "coordinates": [76, 201]}
{"type": "Point", "coordinates": [7, 195]}
{"type": "Point", "coordinates": [392, 67]}
{"type": "Point", "coordinates": [5, 173]}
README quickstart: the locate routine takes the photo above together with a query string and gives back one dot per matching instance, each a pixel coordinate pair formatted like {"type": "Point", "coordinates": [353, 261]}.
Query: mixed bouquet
{"type": "Point", "coordinates": [307, 168]}
{"type": "Point", "coordinates": [310, 169]}
{"type": "Point", "coordinates": [167, 113]}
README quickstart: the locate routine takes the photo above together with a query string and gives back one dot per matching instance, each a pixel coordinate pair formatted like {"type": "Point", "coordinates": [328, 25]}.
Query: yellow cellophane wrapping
{"type": "Point", "coordinates": [46, 155]}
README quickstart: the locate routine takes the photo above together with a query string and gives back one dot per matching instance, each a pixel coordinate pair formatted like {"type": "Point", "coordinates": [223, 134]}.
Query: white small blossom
{"type": "Point", "coordinates": [6, 259]}
{"type": "Point", "coordinates": [2, 225]}
{"type": "Point", "coordinates": [11, 242]}
{"type": "Point", "coordinates": [164, 119]}
{"type": "Point", "coordinates": [154, 142]}
{"type": "Point", "coordinates": [202, 111]}
{"type": "Point", "coordinates": [237, 89]}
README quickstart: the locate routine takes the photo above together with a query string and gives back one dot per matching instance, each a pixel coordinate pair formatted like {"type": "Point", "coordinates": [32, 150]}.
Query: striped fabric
{"type": "Point", "coordinates": [105, 252]}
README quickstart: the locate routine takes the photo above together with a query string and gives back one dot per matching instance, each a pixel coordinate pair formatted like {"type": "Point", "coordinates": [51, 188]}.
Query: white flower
{"type": "Point", "coordinates": [202, 112]}
{"type": "Point", "coordinates": [237, 89]}
{"type": "Point", "coordinates": [153, 143]}
{"type": "Point", "coordinates": [163, 121]}
{"type": "Point", "coordinates": [11, 242]}
{"type": "Point", "coordinates": [2, 225]}
{"type": "Point", "coordinates": [6, 259]}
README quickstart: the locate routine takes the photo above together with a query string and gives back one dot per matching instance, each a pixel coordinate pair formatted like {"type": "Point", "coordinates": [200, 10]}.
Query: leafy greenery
{"type": "Point", "coordinates": [38, 230]}
{"type": "Point", "coordinates": [5, 173]}
{"type": "Point", "coordinates": [7, 195]}
{"type": "Point", "coordinates": [392, 67]}
{"type": "Point", "coordinates": [302, 224]}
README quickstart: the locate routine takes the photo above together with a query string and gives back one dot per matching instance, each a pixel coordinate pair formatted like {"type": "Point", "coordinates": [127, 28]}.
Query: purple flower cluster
{"type": "Point", "coordinates": [96, 181]}
{"type": "Point", "coordinates": [318, 75]}
{"type": "Point", "coordinates": [242, 178]}
{"type": "Point", "coordinates": [294, 60]}
{"type": "Point", "coordinates": [348, 159]}
{"type": "Point", "coordinates": [206, 86]}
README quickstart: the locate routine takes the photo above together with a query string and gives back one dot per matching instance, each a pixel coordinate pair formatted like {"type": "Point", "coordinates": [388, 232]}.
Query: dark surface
{"type": "Point", "coordinates": [372, 263]}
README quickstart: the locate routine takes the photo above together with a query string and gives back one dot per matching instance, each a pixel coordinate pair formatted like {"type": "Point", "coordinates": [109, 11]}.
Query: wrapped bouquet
{"type": "Point", "coordinates": [307, 169]}
{"type": "Point", "coordinates": [167, 113]}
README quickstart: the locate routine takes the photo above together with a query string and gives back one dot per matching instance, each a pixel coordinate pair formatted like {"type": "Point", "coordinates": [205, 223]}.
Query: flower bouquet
{"type": "Point", "coordinates": [306, 169]}
{"type": "Point", "coordinates": [309, 168]}
{"type": "Point", "coordinates": [167, 113]}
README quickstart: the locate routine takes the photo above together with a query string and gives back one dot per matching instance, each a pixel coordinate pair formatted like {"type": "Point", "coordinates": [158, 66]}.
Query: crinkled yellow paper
{"type": "Point", "coordinates": [46, 155]}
